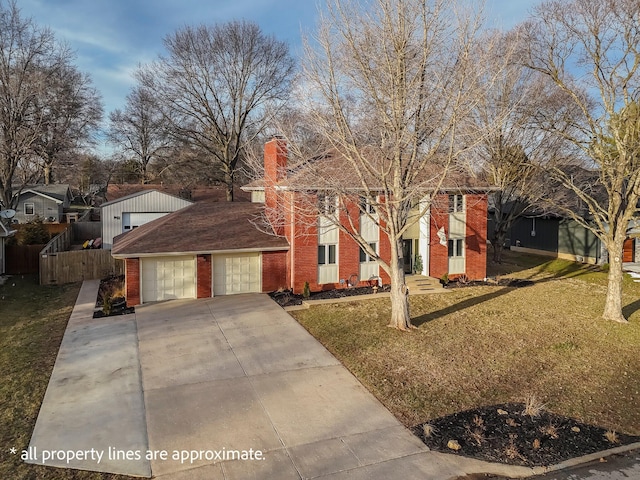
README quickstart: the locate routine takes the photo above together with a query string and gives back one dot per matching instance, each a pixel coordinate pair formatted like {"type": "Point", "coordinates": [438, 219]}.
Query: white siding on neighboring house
{"type": "Point", "coordinates": [148, 202]}
{"type": "Point", "coordinates": [131, 220]}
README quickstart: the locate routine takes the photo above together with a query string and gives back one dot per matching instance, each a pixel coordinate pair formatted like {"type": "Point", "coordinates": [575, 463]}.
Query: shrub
{"type": "Point", "coordinates": [417, 264]}
{"type": "Point", "coordinates": [444, 279]}
{"type": "Point", "coordinates": [306, 293]}
{"type": "Point", "coordinates": [34, 233]}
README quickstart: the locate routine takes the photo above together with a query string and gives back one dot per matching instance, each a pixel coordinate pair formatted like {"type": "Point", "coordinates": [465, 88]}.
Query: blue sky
{"type": "Point", "coordinates": [111, 37]}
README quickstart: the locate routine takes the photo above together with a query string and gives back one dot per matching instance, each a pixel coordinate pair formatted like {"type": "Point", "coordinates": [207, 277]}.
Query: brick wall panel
{"type": "Point", "coordinates": [203, 276]}
{"type": "Point", "coordinates": [274, 271]}
{"type": "Point", "coordinates": [132, 280]}
{"type": "Point", "coordinates": [476, 237]}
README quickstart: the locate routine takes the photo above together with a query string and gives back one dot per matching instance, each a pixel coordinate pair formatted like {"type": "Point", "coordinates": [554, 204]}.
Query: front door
{"type": "Point", "coordinates": [628, 250]}
{"type": "Point", "coordinates": [407, 253]}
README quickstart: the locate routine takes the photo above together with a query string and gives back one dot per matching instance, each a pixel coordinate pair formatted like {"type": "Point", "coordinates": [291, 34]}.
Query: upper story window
{"type": "Point", "coordinates": [456, 203]}
{"type": "Point", "coordinates": [29, 208]}
{"type": "Point", "coordinates": [327, 203]}
{"type": "Point", "coordinates": [366, 205]}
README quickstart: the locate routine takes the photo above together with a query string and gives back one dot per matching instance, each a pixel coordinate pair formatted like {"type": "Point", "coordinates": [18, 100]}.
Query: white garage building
{"type": "Point", "coordinates": [132, 211]}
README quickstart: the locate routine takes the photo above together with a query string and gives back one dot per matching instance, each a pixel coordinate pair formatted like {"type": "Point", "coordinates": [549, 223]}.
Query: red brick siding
{"type": "Point", "coordinates": [303, 256]}
{"type": "Point", "coordinates": [438, 254]}
{"type": "Point", "coordinates": [275, 162]}
{"type": "Point", "coordinates": [385, 253]}
{"type": "Point", "coordinates": [274, 271]}
{"type": "Point", "coordinates": [305, 262]}
{"type": "Point", "coordinates": [203, 276]}
{"type": "Point", "coordinates": [476, 237]}
{"type": "Point", "coordinates": [132, 280]}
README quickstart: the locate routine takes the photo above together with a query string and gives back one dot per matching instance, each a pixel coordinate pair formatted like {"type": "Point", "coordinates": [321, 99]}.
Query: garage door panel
{"type": "Point", "coordinates": [167, 278]}
{"type": "Point", "coordinates": [237, 274]}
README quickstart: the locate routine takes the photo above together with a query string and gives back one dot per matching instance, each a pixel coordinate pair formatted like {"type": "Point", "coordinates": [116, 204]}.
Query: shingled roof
{"type": "Point", "coordinates": [203, 227]}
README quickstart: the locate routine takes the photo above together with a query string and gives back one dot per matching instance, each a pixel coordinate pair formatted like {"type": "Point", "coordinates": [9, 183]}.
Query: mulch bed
{"type": "Point", "coordinates": [505, 434]}
{"type": "Point", "coordinates": [118, 304]}
{"type": "Point", "coordinates": [287, 298]}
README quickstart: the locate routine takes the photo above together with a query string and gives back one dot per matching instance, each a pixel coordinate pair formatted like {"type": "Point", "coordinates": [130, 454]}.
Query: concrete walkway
{"type": "Point", "coordinates": [180, 389]}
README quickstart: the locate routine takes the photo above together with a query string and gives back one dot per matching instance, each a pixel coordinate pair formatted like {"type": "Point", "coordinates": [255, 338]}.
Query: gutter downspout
{"type": "Point", "coordinates": [292, 248]}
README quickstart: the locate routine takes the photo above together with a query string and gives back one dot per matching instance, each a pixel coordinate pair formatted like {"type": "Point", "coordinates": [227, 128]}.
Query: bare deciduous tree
{"type": "Point", "coordinates": [29, 56]}
{"type": "Point", "coordinates": [71, 112]}
{"type": "Point", "coordinates": [589, 49]}
{"type": "Point", "coordinates": [514, 147]}
{"type": "Point", "coordinates": [140, 132]}
{"type": "Point", "coordinates": [387, 86]}
{"type": "Point", "coordinates": [220, 85]}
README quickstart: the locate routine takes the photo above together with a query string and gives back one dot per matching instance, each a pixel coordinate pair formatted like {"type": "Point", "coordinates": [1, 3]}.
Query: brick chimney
{"type": "Point", "coordinates": [275, 166]}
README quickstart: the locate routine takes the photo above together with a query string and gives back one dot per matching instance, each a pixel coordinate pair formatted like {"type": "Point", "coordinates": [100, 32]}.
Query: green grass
{"type": "Point", "coordinates": [33, 319]}
{"type": "Point", "coordinates": [485, 345]}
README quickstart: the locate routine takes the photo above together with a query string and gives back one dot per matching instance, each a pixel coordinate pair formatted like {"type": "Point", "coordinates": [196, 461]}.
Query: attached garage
{"type": "Point", "coordinates": [166, 278]}
{"type": "Point", "coordinates": [201, 251]}
{"type": "Point", "coordinates": [238, 273]}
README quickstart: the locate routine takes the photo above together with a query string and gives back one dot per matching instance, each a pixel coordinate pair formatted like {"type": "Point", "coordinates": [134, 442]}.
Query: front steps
{"type": "Point", "coordinates": [419, 284]}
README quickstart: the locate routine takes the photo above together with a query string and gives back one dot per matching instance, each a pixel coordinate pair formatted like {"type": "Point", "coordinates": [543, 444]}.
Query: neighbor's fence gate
{"type": "Point", "coordinates": [76, 266]}
{"type": "Point", "coordinates": [22, 259]}
{"type": "Point", "coordinates": [58, 266]}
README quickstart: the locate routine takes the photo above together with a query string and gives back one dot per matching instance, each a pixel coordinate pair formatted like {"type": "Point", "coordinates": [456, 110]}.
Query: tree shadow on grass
{"type": "Point", "coordinates": [569, 270]}
{"type": "Point", "coordinates": [470, 302]}
{"type": "Point", "coordinates": [630, 309]}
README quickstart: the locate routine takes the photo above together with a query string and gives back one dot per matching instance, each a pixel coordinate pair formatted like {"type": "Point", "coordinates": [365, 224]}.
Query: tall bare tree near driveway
{"type": "Point", "coordinates": [388, 83]}
{"type": "Point", "coordinates": [220, 86]}
{"type": "Point", "coordinates": [590, 50]}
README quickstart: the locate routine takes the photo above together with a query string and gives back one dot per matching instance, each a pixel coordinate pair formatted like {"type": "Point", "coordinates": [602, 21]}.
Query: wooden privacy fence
{"type": "Point", "coordinates": [22, 259]}
{"type": "Point", "coordinates": [76, 266]}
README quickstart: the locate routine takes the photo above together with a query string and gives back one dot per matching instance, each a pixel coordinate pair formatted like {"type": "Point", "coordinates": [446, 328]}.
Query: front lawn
{"type": "Point", "coordinates": [33, 319]}
{"type": "Point", "coordinates": [488, 345]}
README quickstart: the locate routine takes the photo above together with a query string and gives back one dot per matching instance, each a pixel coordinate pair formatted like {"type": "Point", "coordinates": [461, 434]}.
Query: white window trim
{"type": "Point", "coordinates": [33, 208]}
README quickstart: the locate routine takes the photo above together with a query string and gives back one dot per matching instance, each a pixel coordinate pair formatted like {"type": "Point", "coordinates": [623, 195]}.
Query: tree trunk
{"type": "Point", "coordinates": [228, 180]}
{"type": "Point", "coordinates": [400, 318]}
{"type": "Point", "coordinates": [497, 242]}
{"type": "Point", "coordinates": [47, 173]}
{"type": "Point", "coordinates": [613, 301]}
{"type": "Point", "coordinates": [497, 250]}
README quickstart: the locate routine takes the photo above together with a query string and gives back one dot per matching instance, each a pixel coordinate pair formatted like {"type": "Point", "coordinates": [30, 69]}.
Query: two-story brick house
{"type": "Point", "coordinates": [449, 238]}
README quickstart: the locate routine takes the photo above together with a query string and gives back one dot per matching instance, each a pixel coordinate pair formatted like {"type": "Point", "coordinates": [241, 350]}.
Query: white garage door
{"type": "Point", "coordinates": [236, 274]}
{"type": "Point", "coordinates": [166, 278]}
{"type": "Point", "coordinates": [131, 220]}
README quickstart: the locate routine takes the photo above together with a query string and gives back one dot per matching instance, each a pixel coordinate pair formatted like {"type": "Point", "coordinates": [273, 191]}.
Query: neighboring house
{"type": "Point", "coordinates": [47, 202]}
{"type": "Point", "coordinates": [200, 251]}
{"type": "Point", "coordinates": [5, 233]}
{"type": "Point", "coordinates": [555, 236]}
{"type": "Point", "coordinates": [218, 248]}
{"type": "Point", "coordinates": [134, 210]}
{"type": "Point", "coordinates": [560, 237]}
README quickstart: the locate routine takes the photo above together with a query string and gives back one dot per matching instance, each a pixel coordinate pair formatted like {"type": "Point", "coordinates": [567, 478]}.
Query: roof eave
{"type": "Point", "coordinates": [201, 252]}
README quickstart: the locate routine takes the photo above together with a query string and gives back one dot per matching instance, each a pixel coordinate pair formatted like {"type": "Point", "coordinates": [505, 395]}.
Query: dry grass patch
{"type": "Point", "coordinates": [489, 345]}
{"type": "Point", "coordinates": [33, 319]}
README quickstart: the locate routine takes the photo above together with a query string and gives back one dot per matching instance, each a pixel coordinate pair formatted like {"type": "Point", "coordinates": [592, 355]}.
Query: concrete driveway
{"type": "Point", "coordinates": [222, 388]}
